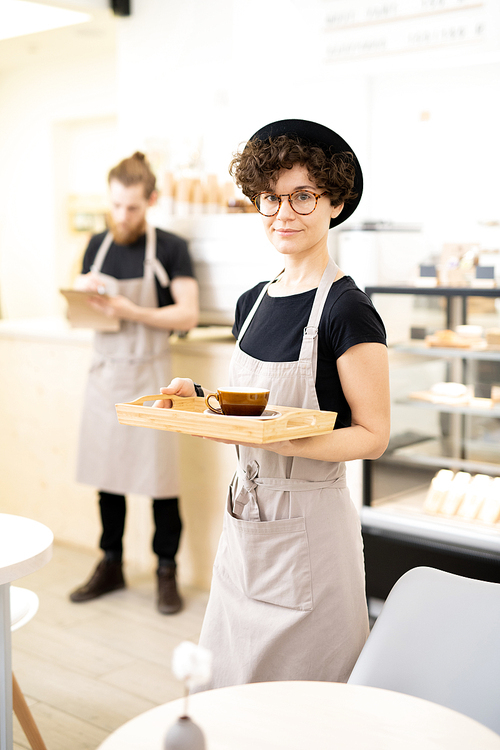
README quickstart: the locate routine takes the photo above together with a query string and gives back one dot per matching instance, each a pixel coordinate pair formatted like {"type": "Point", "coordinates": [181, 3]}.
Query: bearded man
{"type": "Point", "coordinates": [142, 277]}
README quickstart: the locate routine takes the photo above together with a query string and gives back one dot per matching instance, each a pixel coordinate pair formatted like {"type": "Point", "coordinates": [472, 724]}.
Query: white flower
{"type": "Point", "coordinates": [192, 664]}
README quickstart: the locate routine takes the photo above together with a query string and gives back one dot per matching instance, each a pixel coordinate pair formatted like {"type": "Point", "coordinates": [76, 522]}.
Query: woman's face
{"type": "Point", "coordinates": [294, 234]}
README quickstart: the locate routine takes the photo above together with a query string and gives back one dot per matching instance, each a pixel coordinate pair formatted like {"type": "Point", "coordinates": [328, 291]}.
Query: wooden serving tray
{"type": "Point", "coordinates": [187, 416]}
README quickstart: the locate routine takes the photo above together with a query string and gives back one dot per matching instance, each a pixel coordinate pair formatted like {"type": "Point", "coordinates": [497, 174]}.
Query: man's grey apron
{"type": "Point", "coordinates": [127, 364]}
{"type": "Point", "coordinates": [287, 600]}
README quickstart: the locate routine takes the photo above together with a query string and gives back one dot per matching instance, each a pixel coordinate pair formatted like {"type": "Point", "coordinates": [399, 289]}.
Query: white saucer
{"type": "Point", "coordinates": [268, 414]}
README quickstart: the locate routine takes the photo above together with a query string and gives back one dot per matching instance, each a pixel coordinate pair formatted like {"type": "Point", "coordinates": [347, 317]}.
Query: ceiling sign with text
{"type": "Point", "coordinates": [368, 28]}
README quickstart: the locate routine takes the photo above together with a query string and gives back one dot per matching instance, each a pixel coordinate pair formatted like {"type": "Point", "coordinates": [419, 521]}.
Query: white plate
{"type": "Point", "coordinates": [268, 414]}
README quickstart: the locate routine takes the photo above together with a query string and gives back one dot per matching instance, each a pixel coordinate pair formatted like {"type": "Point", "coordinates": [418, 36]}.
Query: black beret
{"type": "Point", "coordinates": [328, 140]}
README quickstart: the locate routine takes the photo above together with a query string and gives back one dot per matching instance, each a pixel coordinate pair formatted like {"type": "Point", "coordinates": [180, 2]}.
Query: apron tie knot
{"type": "Point", "coordinates": [247, 493]}
{"type": "Point", "coordinates": [249, 475]}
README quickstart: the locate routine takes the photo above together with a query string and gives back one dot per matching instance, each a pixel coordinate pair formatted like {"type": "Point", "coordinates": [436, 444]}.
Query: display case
{"type": "Point", "coordinates": [433, 498]}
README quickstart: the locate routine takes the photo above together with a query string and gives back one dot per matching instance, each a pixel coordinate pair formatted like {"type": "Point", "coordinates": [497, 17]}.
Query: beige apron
{"type": "Point", "coordinates": [126, 364]}
{"type": "Point", "coordinates": [287, 600]}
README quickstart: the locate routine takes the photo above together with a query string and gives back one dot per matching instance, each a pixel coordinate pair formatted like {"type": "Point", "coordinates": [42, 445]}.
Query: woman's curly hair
{"type": "Point", "coordinates": [256, 168]}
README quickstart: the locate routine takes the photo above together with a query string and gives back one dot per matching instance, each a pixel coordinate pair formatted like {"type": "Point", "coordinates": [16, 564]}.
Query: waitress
{"type": "Point", "coordinates": [287, 600]}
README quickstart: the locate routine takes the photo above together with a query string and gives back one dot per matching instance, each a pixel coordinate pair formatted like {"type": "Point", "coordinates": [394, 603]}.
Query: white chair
{"type": "Point", "coordinates": [24, 606]}
{"type": "Point", "coordinates": [438, 637]}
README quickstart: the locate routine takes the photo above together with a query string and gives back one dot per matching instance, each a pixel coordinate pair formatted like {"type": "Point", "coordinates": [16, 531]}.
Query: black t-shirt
{"type": "Point", "coordinates": [127, 261]}
{"type": "Point", "coordinates": [276, 331]}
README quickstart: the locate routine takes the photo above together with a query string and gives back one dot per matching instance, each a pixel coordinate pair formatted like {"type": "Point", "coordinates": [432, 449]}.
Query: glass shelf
{"type": "Point", "coordinates": [471, 411]}
{"type": "Point", "coordinates": [435, 291]}
{"type": "Point", "coordinates": [441, 453]}
{"type": "Point", "coordinates": [447, 352]}
{"type": "Point", "coordinates": [427, 436]}
{"type": "Point", "coordinates": [404, 515]}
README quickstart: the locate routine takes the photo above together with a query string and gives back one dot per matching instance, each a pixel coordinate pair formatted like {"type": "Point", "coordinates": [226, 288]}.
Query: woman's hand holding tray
{"type": "Point", "coordinates": [188, 415]}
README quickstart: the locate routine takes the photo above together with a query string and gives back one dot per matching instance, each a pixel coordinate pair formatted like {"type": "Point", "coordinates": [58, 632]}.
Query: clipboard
{"type": "Point", "coordinates": [82, 315]}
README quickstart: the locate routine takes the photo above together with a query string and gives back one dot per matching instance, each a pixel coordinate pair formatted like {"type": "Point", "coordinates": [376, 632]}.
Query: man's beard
{"type": "Point", "coordinates": [123, 235]}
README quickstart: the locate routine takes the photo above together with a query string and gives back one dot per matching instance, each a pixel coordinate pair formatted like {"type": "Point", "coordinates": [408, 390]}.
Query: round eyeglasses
{"type": "Point", "coordinates": [303, 202]}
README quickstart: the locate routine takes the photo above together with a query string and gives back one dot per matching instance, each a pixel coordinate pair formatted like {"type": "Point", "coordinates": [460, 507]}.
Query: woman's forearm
{"type": "Point", "coordinates": [344, 444]}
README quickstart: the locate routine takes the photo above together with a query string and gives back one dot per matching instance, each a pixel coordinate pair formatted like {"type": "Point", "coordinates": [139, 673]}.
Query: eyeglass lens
{"type": "Point", "coordinates": [269, 203]}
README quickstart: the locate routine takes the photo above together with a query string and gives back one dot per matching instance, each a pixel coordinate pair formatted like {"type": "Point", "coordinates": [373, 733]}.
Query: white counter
{"type": "Point", "coordinates": [55, 330]}
{"type": "Point", "coordinates": [43, 371]}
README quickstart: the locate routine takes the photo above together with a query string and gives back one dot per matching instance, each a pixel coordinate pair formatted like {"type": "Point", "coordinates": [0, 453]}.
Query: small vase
{"type": "Point", "coordinates": [184, 735]}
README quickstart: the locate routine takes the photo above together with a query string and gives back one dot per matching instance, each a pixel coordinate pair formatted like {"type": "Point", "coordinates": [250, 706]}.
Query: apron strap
{"type": "Point", "coordinates": [152, 265]}
{"type": "Point", "coordinates": [308, 349]}
{"type": "Point", "coordinates": [322, 291]}
{"type": "Point", "coordinates": [161, 273]}
{"type": "Point", "coordinates": [101, 253]}
{"type": "Point", "coordinates": [257, 302]}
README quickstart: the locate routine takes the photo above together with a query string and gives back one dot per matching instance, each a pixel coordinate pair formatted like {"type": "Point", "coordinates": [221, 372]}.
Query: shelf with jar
{"type": "Point", "coordinates": [445, 393]}
{"type": "Point", "coordinates": [187, 194]}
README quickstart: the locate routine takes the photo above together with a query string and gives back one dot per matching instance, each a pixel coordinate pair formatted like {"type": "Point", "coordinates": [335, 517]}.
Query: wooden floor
{"type": "Point", "coordinates": [87, 668]}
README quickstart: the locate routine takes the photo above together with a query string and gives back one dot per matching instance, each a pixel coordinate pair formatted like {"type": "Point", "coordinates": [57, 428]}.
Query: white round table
{"type": "Point", "coordinates": [301, 715]}
{"type": "Point", "coordinates": [25, 546]}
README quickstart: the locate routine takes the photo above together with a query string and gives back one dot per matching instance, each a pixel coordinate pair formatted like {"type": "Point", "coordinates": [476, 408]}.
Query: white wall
{"type": "Point", "coordinates": [178, 56]}
{"type": "Point", "coordinates": [84, 149]}
{"type": "Point", "coordinates": [423, 123]}
{"type": "Point", "coordinates": [35, 99]}
{"type": "Point", "coordinates": [435, 149]}
{"type": "Point", "coordinates": [200, 69]}
{"type": "Point", "coordinates": [188, 77]}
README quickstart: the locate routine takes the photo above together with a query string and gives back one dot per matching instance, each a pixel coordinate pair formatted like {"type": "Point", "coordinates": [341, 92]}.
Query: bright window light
{"type": "Point", "coordinates": [20, 17]}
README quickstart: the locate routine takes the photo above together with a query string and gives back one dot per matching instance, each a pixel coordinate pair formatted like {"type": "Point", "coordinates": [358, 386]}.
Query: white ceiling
{"type": "Point", "coordinates": [97, 34]}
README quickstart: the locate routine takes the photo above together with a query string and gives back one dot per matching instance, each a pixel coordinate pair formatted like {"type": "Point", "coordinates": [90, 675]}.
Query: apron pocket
{"type": "Point", "coordinates": [269, 560]}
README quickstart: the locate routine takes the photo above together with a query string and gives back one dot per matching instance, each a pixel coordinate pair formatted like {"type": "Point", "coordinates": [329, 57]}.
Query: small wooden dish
{"type": "Point", "coordinates": [188, 415]}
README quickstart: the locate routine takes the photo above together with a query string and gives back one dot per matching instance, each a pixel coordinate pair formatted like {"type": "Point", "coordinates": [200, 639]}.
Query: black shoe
{"type": "Point", "coordinates": [108, 576]}
{"type": "Point", "coordinates": [169, 601]}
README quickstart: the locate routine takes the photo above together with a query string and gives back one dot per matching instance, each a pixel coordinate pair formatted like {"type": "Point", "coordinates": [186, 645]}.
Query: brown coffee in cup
{"type": "Point", "coordinates": [239, 401]}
